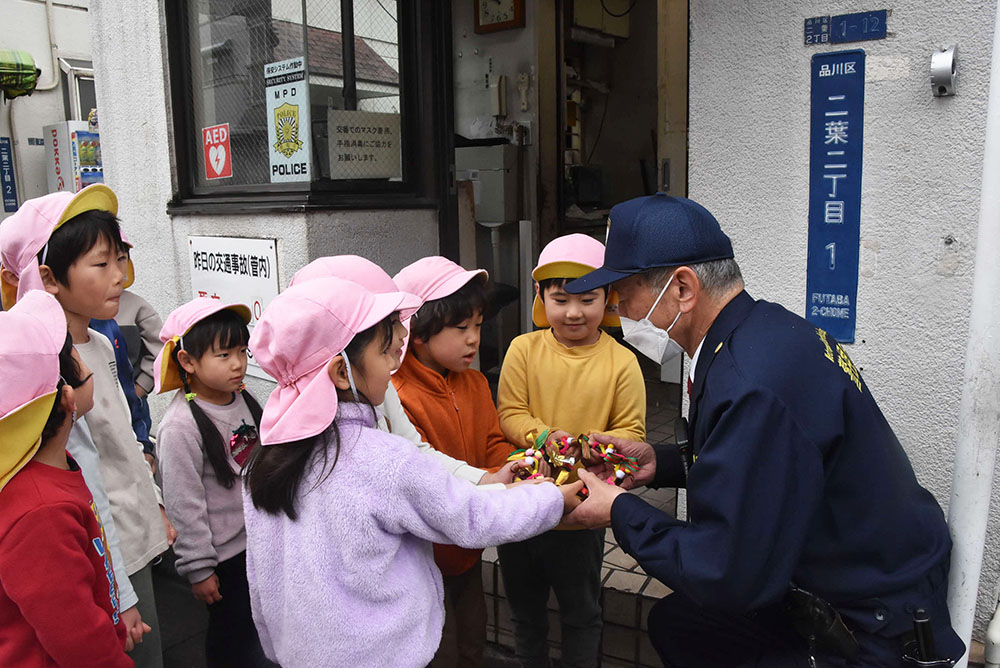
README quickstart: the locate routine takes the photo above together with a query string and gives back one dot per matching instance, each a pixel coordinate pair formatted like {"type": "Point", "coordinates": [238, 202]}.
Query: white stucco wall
{"type": "Point", "coordinates": [23, 27]}
{"type": "Point", "coordinates": [749, 164]}
{"type": "Point", "coordinates": [136, 137]}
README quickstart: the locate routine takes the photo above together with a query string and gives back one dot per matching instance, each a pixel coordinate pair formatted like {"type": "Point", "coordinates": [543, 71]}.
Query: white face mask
{"type": "Point", "coordinates": [649, 339]}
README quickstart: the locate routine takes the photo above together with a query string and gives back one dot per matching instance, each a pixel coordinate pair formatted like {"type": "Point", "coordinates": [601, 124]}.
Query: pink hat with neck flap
{"type": "Point", "coordinates": [352, 268]}
{"type": "Point", "coordinates": [34, 331]}
{"type": "Point", "coordinates": [24, 234]}
{"type": "Point", "coordinates": [434, 277]}
{"type": "Point", "coordinates": [300, 331]}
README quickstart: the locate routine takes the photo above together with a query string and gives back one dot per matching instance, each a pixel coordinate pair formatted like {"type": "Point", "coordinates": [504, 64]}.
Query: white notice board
{"type": "Point", "coordinates": [363, 145]}
{"type": "Point", "coordinates": [233, 269]}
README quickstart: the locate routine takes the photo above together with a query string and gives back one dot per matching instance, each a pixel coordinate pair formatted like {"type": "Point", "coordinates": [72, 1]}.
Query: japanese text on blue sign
{"type": "Point", "coordinates": [835, 152]}
{"type": "Point", "coordinates": [7, 183]}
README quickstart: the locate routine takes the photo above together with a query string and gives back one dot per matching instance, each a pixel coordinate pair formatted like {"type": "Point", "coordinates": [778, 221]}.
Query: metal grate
{"type": "Point", "coordinates": [357, 130]}
{"type": "Point", "coordinates": [355, 110]}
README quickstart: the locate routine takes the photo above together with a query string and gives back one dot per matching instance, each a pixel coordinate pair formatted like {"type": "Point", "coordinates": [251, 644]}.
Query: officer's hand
{"type": "Point", "coordinates": [641, 451]}
{"type": "Point", "coordinates": [595, 511]}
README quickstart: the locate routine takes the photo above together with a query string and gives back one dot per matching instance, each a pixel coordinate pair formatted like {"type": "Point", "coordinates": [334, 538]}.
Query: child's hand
{"type": "Point", "coordinates": [570, 499]}
{"type": "Point", "coordinates": [135, 628]}
{"type": "Point", "coordinates": [505, 475]}
{"type": "Point", "coordinates": [207, 591]}
{"type": "Point", "coordinates": [533, 481]}
{"type": "Point", "coordinates": [557, 436]}
{"type": "Point", "coordinates": [595, 511]}
{"type": "Point", "coordinates": [171, 531]}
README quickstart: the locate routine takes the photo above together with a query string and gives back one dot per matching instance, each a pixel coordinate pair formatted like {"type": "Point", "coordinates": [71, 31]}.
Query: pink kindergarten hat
{"type": "Point", "coordinates": [24, 234]}
{"type": "Point", "coordinates": [352, 268]}
{"type": "Point", "coordinates": [301, 330]}
{"type": "Point", "coordinates": [434, 277]}
{"type": "Point", "coordinates": [571, 256]}
{"type": "Point", "coordinates": [34, 331]}
{"type": "Point", "coordinates": [166, 374]}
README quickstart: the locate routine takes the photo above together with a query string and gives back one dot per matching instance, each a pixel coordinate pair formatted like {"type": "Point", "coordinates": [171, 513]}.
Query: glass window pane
{"type": "Point", "coordinates": [360, 139]}
{"type": "Point", "coordinates": [231, 42]}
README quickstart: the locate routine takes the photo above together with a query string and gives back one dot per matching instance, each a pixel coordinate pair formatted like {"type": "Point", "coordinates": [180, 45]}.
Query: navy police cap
{"type": "Point", "coordinates": [655, 231]}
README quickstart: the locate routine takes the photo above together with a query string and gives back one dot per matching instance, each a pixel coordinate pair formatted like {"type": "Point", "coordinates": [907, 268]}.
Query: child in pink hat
{"type": "Point", "coordinates": [451, 406]}
{"type": "Point", "coordinates": [392, 417]}
{"type": "Point", "coordinates": [59, 601]}
{"type": "Point", "coordinates": [206, 436]}
{"type": "Point", "coordinates": [70, 245]}
{"type": "Point", "coordinates": [340, 515]}
{"type": "Point", "coordinates": [569, 378]}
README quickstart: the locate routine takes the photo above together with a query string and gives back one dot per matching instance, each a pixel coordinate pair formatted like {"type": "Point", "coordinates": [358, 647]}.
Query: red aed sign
{"type": "Point", "coordinates": [218, 156]}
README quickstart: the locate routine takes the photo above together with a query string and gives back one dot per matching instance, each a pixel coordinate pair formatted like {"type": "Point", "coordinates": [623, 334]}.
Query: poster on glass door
{"type": "Point", "coordinates": [287, 93]}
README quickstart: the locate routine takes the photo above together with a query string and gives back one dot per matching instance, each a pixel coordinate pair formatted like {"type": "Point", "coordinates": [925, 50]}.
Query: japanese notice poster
{"type": "Point", "coordinates": [363, 145]}
{"type": "Point", "coordinates": [836, 141]}
{"type": "Point", "coordinates": [232, 269]}
{"type": "Point", "coordinates": [288, 126]}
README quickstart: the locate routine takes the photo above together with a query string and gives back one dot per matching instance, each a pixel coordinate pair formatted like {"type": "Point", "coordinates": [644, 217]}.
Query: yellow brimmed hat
{"type": "Point", "coordinates": [34, 331]}
{"type": "Point", "coordinates": [24, 234]}
{"type": "Point", "coordinates": [166, 374]}
{"type": "Point", "coordinates": [571, 256]}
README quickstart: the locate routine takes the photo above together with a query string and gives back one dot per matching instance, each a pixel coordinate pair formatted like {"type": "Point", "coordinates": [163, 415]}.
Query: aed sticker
{"type": "Point", "coordinates": [218, 155]}
{"type": "Point", "coordinates": [288, 124]}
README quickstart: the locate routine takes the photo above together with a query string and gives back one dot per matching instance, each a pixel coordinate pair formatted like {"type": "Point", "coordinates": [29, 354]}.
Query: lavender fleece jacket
{"type": "Point", "coordinates": [353, 581]}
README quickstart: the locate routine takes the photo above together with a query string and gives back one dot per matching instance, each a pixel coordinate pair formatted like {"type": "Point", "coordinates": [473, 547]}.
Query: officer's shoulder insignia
{"type": "Point", "coordinates": [836, 354]}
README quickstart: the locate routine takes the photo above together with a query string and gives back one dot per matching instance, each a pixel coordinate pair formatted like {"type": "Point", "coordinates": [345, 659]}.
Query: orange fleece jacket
{"type": "Point", "coordinates": [456, 415]}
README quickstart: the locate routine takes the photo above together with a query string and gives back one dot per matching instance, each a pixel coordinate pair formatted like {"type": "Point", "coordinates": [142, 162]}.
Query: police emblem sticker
{"type": "Point", "coordinates": [287, 94]}
{"type": "Point", "coordinates": [286, 127]}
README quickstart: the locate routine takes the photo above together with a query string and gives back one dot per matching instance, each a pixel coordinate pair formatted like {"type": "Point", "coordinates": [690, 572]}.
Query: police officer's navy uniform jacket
{"type": "Point", "coordinates": [797, 477]}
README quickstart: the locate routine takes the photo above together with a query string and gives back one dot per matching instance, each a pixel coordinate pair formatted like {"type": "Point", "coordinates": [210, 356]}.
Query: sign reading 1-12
{"type": "Point", "coordinates": [858, 27]}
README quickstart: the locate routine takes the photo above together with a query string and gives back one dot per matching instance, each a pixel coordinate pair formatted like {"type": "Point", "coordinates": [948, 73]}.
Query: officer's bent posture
{"type": "Point", "coordinates": [808, 540]}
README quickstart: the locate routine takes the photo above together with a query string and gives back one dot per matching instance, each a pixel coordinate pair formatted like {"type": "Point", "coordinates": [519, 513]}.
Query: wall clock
{"type": "Point", "coordinates": [493, 15]}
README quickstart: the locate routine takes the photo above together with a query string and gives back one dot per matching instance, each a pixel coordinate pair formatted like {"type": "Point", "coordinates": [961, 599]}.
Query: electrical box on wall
{"type": "Point", "coordinates": [496, 186]}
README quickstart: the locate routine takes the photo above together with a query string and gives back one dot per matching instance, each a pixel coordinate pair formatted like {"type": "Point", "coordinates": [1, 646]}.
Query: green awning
{"type": "Point", "coordinates": [18, 74]}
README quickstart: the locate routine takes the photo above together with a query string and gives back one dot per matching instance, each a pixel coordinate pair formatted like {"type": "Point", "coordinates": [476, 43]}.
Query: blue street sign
{"type": "Point", "coordinates": [835, 152]}
{"type": "Point", "coordinates": [858, 27]}
{"type": "Point", "coordinates": [7, 183]}
{"type": "Point", "coordinates": [816, 30]}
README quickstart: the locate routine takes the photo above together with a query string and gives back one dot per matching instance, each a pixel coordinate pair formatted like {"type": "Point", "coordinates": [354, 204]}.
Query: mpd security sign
{"type": "Point", "coordinates": [835, 152]}
{"type": "Point", "coordinates": [288, 127]}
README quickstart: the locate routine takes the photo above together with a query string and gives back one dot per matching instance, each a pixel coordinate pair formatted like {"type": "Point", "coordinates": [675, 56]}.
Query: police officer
{"type": "Point", "coordinates": [809, 540]}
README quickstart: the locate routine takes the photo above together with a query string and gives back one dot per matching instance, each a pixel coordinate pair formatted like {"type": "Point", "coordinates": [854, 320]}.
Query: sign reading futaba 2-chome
{"type": "Point", "coordinates": [836, 142]}
{"type": "Point", "coordinates": [287, 93]}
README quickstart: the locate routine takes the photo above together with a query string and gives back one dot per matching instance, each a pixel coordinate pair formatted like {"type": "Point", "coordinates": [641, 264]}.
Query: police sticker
{"type": "Point", "coordinates": [286, 127]}
{"type": "Point", "coordinates": [288, 124]}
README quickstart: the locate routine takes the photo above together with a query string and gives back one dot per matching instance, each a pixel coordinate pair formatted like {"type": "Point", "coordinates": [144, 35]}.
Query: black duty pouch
{"type": "Point", "coordinates": [820, 624]}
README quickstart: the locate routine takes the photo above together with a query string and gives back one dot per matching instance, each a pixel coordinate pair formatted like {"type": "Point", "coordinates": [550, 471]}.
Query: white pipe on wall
{"type": "Point", "coordinates": [53, 51]}
{"type": "Point", "coordinates": [979, 414]}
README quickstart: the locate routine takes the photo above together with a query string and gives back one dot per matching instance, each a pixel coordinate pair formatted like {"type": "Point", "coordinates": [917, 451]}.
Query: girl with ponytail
{"type": "Point", "coordinates": [206, 436]}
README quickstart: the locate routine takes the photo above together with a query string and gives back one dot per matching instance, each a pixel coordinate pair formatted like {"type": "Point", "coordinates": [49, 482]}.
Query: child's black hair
{"type": "Point", "coordinates": [225, 327]}
{"type": "Point", "coordinates": [547, 283]}
{"type": "Point", "coordinates": [449, 311]}
{"type": "Point", "coordinates": [69, 374]}
{"type": "Point", "coordinates": [76, 237]}
{"type": "Point", "coordinates": [274, 473]}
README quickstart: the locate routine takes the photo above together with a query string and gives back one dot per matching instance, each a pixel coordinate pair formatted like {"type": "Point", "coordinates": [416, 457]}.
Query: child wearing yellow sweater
{"type": "Point", "coordinates": [570, 378]}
